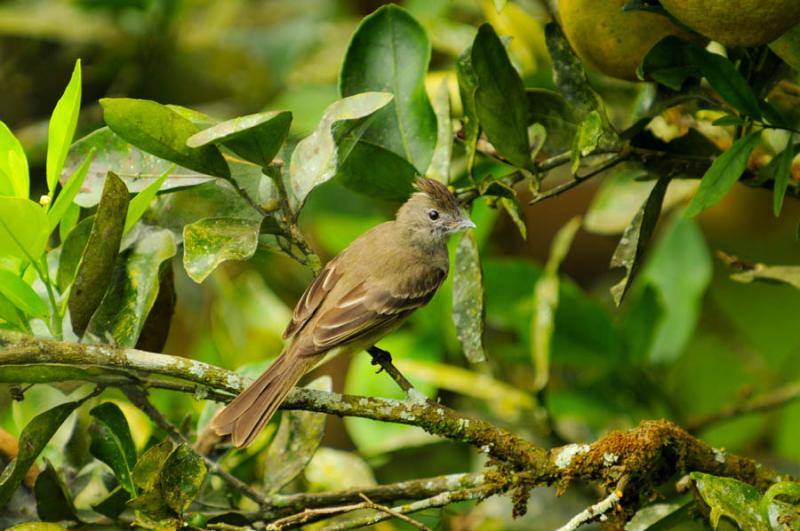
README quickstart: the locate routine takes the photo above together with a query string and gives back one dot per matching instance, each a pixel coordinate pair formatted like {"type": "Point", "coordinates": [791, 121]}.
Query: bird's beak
{"type": "Point", "coordinates": [464, 224]}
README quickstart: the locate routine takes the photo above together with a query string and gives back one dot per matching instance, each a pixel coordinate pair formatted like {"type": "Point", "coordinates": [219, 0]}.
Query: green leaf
{"type": "Point", "coordinates": [732, 499]}
{"type": "Point", "coordinates": [96, 266]}
{"type": "Point", "coordinates": [728, 120]}
{"type": "Point", "coordinates": [14, 177]}
{"type": "Point", "coordinates": [163, 132]}
{"type": "Point", "coordinates": [71, 188]}
{"type": "Point", "coordinates": [62, 127]}
{"type": "Point", "coordinates": [32, 441]}
{"type": "Point", "coordinates": [211, 241]}
{"type": "Point", "coordinates": [23, 228]}
{"type": "Point", "coordinates": [782, 174]}
{"type": "Point", "coordinates": [112, 442]}
{"type": "Point", "coordinates": [21, 295]}
{"type": "Point", "coordinates": [467, 85]}
{"type": "Point", "coordinates": [69, 221]}
{"type": "Point", "coordinates": [155, 329]}
{"type": "Point", "coordinates": [557, 116]}
{"type": "Point", "coordinates": [673, 60]}
{"type": "Point", "coordinates": [137, 168]}
{"type": "Point", "coordinates": [53, 500]}
{"type": "Point", "coordinates": [71, 253]}
{"type": "Point", "coordinates": [147, 471]}
{"type": "Point", "coordinates": [390, 52]}
{"type": "Point", "coordinates": [545, 303]}
{"type": "Point", "coordinates": [785, 274]}
{"type": "Point", "coordinates": [500, 99]}
{"type": "Point", "coordinates": [780, 514]}
{"type": "Point", "coordinates": [133, 289]}
{"type": "Point", "coordinates": [723, 174]}
{"type": "Point", "coordinates": [677, 271]}
{"type": "Point", "coordinates": [181, 478]}
{"type": "Point", "coordinates": [468, 306]}
{"type": "Point", "coordinates": [439, 168]}
{"type": "Point", "coordinates": [297, 439]}
{"type": "Point", "coordinates": [570, 75]}
{"type": "Point", "coordinates": [255, 137]}
{"type": "Point", "coordinates": [587, 139]}
{"type": "Point", "coordinates": [631, 247]}
{"type": "Point", "coordinates": [316, 158]}
{"type": "Point", "coordinates": [113, 504]}
{"type": "Point", "coordinates": [138, 205]}
{"type": "Point", "coordinates": [515, 212]}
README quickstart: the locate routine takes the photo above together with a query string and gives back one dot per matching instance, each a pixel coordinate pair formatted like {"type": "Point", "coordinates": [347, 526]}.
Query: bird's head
{"type": "Point", "coordinates": [432, 213]}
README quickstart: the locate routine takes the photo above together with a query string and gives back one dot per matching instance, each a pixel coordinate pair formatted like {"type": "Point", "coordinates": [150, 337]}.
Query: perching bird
{"type": "Point", "coordinates": [360, 296]}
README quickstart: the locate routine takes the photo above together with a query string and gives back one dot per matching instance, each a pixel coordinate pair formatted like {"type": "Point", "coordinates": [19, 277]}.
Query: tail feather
{"type": "Point", "coordinates": [248, 413]}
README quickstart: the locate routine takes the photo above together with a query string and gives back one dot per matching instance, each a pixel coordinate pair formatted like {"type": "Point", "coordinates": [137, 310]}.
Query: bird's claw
{"type": "Point", "coordinates": [379, 357]}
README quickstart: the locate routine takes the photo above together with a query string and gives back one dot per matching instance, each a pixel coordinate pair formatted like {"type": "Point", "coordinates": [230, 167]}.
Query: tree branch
{"type": "Point", "coordinates": [648, 455]}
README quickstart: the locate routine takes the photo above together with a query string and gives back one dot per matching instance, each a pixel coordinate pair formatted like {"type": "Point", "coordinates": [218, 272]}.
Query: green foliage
{"type": "Point", "coordinates": [488, 99]}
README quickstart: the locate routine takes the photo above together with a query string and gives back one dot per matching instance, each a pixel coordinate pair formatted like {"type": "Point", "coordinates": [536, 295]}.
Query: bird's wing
{"type": "Point", "coordinates": [370, 307]}
{"type": "Point", "coordinates": [312, 298]}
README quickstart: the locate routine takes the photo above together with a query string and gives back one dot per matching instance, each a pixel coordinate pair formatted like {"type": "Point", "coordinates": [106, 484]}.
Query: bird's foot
{"type": "Point", "coordinates": [379, 357]}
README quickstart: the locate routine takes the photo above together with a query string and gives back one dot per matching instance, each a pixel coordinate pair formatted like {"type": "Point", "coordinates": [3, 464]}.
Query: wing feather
{"type": "Point", "coordinates": [368, 308]}
{"type": "Point", "coordinates": [312, 298]}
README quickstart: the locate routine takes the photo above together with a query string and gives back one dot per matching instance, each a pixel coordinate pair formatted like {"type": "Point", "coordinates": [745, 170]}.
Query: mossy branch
{"type": "Point", "coordinates": [649, 455]}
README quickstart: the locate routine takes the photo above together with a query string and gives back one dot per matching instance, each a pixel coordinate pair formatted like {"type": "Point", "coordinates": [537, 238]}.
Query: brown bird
{"type": "Point", "coordinates": [361, 295]}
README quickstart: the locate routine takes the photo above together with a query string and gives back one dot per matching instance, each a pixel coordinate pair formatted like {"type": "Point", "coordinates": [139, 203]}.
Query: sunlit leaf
{"type": "Point", "coordinates": [96, 266]}
{"type": "Point", "coordinates": [21, 294]}
{"type": "Point", "coordinates": [148, 468]}
{"type": "Point", "coordinates": [14, 178]}
{"type": "Point", "coordinates": [138, 205]}
{"type": "Point", "coordinates": [545, 303]}
{"type": "Point", "coordinates": [62, 127]}
{"type": "Point", "coordinates": [631, 247]}
{"type": "Point", "coordinates": [255, 137]}
{"type": "Point", "coordinates": [23, 228]}
{"type": "Point", "coordinates": [163, 132]}
{"type": "Point", "coordinates": [501, 103]}
{"type": "Point", "coordinates": [723, 174]}
{"type": "Point", "coordinates": [779, 513]}
{"type": "Point", "coordinates": [467, 85]}
{"type": "Point", "coordinates": [587, 138]}
{"type": "Point", "coordinates": [468, 298]}
{"type": "Point", "coordinates": [439, 167]}
{"type": "Point", "coordinates": [67, 195]}
{"type": "Point", "coordinates": [33, 439]}
{"type": "Point", "coordinates": [133, 289]}
{"type": "Point", "coordinates": [211, 241]}
{"type": "Point", "coordinates": [390, 52]}
{"type": "Point", "coordinates": [316, 158]}
{"type": "Point", "coordinates": [294, 444]}
{"type": "Point", "coordinates": [182, 476]}
{"type": "Point", "coordinates": [730, 498]}
{"type": "Point", "coordinates": [137, 168]}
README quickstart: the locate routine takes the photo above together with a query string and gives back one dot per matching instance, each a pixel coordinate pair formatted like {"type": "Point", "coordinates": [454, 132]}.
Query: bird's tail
{"type": "Point", "coordinates": [248, 413]}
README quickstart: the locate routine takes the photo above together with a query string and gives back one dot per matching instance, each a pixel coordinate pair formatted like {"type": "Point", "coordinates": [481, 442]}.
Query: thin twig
{"type": "Point", "coordinates": [595, 511]}
{"type": "Point", "coordinates": [561, 188]}
{"type": "Point", "coordinates": [139, 398]}
{"type": "Point", "coordinates": [310, 515]}
{"type": "Point", "coordinates": [440, 500]}
{"type": "Point", "coordinates": [774, 399]}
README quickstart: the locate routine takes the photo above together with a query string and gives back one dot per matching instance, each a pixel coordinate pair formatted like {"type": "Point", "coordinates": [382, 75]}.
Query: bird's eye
{"type": "Point", "coordinates": [434, 215]}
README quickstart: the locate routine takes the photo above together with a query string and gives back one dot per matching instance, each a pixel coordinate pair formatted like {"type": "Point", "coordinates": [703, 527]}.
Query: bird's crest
{"type": "Point", "coordinates": [438, 192]}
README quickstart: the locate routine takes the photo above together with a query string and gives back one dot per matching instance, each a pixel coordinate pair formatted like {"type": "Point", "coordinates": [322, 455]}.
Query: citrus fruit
{"type": "Point", "coordinates": [612, 40]}
{"type": "Point", "coordinates": [735, 23]}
